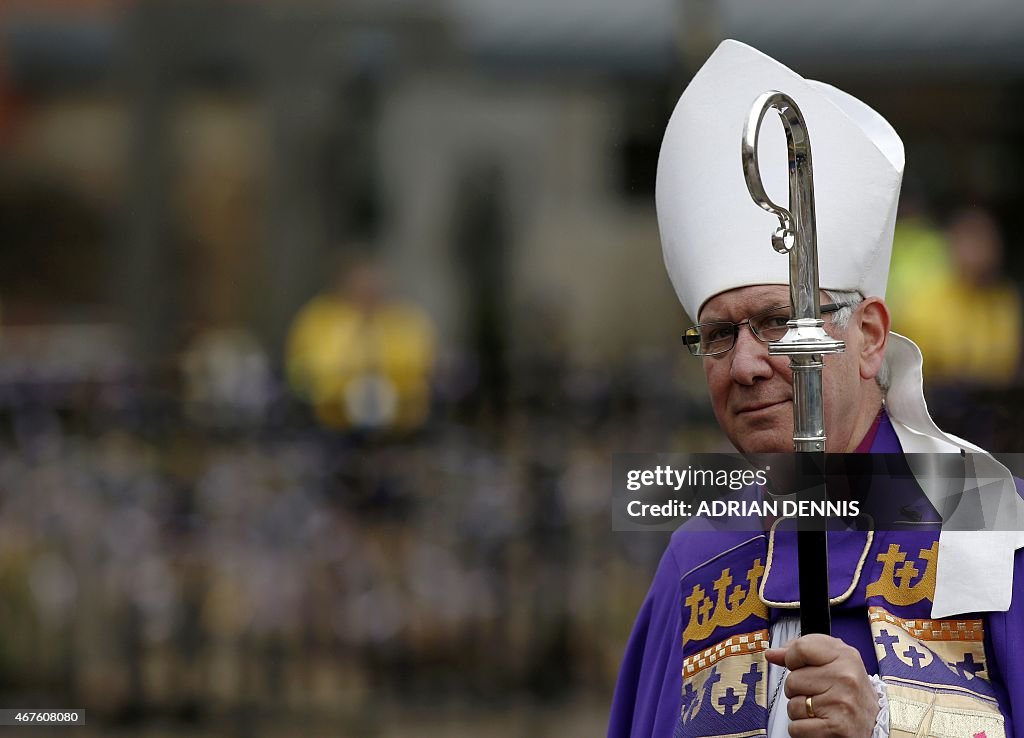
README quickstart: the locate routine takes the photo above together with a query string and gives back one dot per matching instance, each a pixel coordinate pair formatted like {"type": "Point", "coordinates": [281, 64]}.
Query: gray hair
{"type": "Point", "coordinates": [841, 319]}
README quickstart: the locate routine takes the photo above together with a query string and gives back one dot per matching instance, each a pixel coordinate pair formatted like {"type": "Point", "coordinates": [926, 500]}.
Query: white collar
{"type": "Point", "coordinates": [975, 564]}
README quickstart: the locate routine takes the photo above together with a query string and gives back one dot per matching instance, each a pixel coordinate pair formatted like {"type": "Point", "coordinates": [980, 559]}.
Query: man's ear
{"type": "Point", "coordinates": [872, 317]}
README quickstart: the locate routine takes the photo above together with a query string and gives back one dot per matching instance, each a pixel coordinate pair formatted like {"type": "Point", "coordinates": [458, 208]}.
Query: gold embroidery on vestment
{"type": "Point", "coordinates": [894, 581]}
{"type": "Point", "coordinates": [733, 604]}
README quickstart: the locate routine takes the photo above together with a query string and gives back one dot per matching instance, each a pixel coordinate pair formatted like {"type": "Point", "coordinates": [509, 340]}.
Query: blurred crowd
{"type": "Point", "coordinates": [196, 541]}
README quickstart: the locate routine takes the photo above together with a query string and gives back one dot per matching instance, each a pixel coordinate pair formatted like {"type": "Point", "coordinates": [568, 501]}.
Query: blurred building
{"type": "Point", "coordinates": [220, 149]}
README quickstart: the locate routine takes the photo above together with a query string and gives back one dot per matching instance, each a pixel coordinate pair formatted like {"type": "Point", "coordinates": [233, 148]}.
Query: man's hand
{"type": "Point", "coordinates": [832, 674]}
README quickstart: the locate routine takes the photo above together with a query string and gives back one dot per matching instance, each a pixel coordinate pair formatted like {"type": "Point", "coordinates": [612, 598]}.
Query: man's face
{"type": "Point", "coordinates": [752, 392]}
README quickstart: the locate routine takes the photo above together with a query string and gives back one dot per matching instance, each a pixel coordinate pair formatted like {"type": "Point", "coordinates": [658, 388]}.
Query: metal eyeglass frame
{"type": "Point", "coordinates": [692, 342]}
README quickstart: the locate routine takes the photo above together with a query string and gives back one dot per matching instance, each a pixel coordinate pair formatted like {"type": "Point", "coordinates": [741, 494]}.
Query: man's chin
{"type": "Point", "coordinates": [758, 443]}
{"type": "Point", "coordinates": [765, 432]}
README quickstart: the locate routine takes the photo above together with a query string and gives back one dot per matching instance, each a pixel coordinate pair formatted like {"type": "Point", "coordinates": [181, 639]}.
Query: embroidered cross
{"type": "Point", "coordinates": [751, 678]}
{"type": "Point", "coordinates": [968, 668]}
{"type": "Point", "coordinates": [698, 603]}
{"type": "Point", "coordinates": [737, 597]}
{"type": "Point", "coordinates": [886, 641]}
{"type": "Point", "coordinates": [713, 678]}
{"type": "Point", "coordinates": [914, 655]}
{"type": "Point", "coordinates": [729, 700]}
{"type": "Point", "coordinates": [722, 584]}
{"type": "Point", "coordinates": [704, 610]}
{"type": "Point", "coordinates": [906, 572]}
{"type": "Point", "coordinates": [689, 694]}
{"type": "Point", "coordinates": [689, 700]}
{"type": "Point", "coordinates": [893, 556]}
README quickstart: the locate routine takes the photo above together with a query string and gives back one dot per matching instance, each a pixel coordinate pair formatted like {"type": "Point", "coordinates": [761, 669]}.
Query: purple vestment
{"type": "Point", "coordinates": [970, 668]}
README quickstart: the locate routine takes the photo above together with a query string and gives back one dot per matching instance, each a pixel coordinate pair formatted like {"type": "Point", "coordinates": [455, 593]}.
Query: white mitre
{"type": "Point", "coordinates": [715, 238]}
{"type": "Point", "coordinates": [713, 235]}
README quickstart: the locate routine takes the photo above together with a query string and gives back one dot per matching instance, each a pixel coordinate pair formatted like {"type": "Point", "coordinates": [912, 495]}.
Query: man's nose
{"type": "Point", "coordinates": [749, 358]}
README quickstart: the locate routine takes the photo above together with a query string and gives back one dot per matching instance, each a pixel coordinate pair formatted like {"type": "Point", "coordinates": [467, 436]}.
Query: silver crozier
{"type": "Point", "coordinates": [805, 342]}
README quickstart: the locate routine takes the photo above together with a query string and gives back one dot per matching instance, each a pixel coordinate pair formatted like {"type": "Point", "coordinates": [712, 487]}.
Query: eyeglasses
{"type": "Point", "coordinates": [708, 339]}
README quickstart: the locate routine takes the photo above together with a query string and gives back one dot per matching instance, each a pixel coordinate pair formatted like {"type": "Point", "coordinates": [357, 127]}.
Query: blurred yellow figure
{"type": "Point", "coordinates": [968, 324]}
{"type": "Point", "coordinates": [362, 359]}
{"type": "Point", "coordinates": [920, 259]}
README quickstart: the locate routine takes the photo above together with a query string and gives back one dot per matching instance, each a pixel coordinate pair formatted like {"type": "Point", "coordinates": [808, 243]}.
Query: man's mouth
{"type": "Point", "coordinates": [759, 406]}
